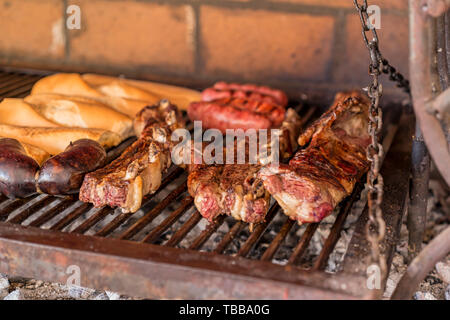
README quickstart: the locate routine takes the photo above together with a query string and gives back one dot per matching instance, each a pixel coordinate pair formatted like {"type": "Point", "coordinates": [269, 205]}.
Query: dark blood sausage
{"type": "Point", "coordinates": [236, 113]}
{"type": "Point", "coordinates": [246, 91]}
{"type": "Point", "coordinates": [17, 170]}
{"type": "Point", "coordinates": [64, 173]}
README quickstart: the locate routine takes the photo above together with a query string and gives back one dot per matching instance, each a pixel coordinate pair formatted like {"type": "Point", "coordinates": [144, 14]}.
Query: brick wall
{"type": "Point", "coordinates": [293, 44]}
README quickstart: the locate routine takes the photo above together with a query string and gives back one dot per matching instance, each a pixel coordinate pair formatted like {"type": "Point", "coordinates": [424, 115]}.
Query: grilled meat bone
{"type": "Point", "coordinates": [322, 174]}
{"type": "Point", "coordinates": [138, 171]}
{"type": "Point", "coordinates": [235, 189]}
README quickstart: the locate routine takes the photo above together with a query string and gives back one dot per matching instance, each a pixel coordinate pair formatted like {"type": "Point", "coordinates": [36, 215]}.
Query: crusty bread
{"type": "Point", "coordinates": [125, 95]}
{"type": "Point", "coordinates": [81, 112]}
{"type": "Point", "coordinates": [179, 96]}
{"type": "Point", "coordinates": [34, 152]}
{"type": "Point", "coordinates": [17, 112]}
{"type": "Point", "coordinates": [130, 107]}
{"type": "Point", "coordinates": [120, 88]}
{"type": "Point", "coordinates": [65, 83]}
{"type": "Point", "coordinates": [73, 85]}
{"type": "Point", "coordinates": [55, 140]}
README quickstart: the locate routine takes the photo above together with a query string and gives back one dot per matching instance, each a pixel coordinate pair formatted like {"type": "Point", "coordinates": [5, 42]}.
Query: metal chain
{"type": "Point", "coordinates": [376, 227]}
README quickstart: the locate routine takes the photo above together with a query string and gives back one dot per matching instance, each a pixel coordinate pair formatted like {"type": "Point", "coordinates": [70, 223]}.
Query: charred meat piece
{"type": "Point", "coordinates": [64, 173]}
{"type": "Point", "coordinates": [322, 174]}
{"type": "Point", "coordinates": [223, 90]}
{"type": "Point", "coordinates": [163, 112]}
{"type": "Point", "coordinates": [237, 113]}
{"type": "Point", "coordinates": [138, 171]}
{"type": "Point", "coordinates": [235, 189]}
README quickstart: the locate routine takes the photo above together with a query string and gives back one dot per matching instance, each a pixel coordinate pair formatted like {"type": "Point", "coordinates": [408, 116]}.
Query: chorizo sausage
{"type": "Point", "coordinates": [236, 113]}
{"type": "Point", "coordinates": [222, 90]}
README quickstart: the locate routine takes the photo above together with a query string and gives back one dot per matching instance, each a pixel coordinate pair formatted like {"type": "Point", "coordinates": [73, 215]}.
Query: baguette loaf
{"type": "Point", "coordinates": [81, 112]}
{"type": "Point", "coordinates": [179, 96]}
{"type": "Point", "coordinates": [124, 95]}
{"type": "Point", "coordinates": [17, 112]}
{"type": "Point", "coordinates": [55, 140]}
{"type": "Point", "coordinates": [112, 95]}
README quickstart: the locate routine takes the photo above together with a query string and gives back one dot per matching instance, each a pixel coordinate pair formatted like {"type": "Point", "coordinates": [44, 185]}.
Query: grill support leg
{"type": "Point", "coordinates": [417, 213]}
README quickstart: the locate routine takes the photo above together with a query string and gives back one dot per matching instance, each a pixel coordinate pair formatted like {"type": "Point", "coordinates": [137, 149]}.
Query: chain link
{"type": "Point", "coordinates": [376, 227]}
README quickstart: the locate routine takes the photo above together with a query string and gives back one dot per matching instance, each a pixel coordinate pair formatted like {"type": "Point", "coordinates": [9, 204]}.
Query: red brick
{"type": "Point", "coordinates": [257, 44]}
{"type": "Point", "coordinates": [393, 37]}
{"type": "Point", "coordinates": [384, 4]}
{"type": "Point", "coordinates": [131, 34]}
{"type": "Point", "coordinates": [31, 27]}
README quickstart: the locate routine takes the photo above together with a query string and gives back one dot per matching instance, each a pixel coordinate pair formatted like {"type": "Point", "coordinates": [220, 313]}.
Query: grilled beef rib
{"type": "Point", "coordinates": [138, 170]}
{"type": "Point", "coordinates": [322, 174]}
{"type": "Point", "coordinates": [234, 189]}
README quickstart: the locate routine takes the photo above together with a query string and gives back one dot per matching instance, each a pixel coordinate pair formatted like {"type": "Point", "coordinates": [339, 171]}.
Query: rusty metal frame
{"type": "Point", "coordinates": [425, 81]}
{"type": "Point", "coordinates": [435, 251]}
{"type": "Point", "coordinates": [152, 271]}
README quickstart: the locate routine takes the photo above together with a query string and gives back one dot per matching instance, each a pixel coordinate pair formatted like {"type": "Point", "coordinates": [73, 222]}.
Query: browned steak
{"type": "Point", "coordinates": [138, 171]}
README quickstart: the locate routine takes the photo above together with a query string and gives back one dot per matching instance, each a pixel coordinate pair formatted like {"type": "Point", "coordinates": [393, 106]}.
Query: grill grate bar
{"type": "Point", "coordinates": [25, 214]}
{"type": "Point", "coordinates": [258, 232]}
{"type": "Point", "coordinates": [61, 224]}
{"type": "Point", "coordinates": [12, 82]}
{"type": "Point", "coordinates": [3, 198]}
{"type": "Point", "coordinates": [186, 203]}
{"type": "Point", "coordinates": [6, 76]}
{"type": "Point", "coordinates": [19, 91]}
{"type": "Point", "coordinates": [184, 230]}
{"type": "Point", "coordinates": [121, 218]}
{"type": "Point", "coordinates": [152, 214]}
{"type": "Point", "coordinates": [302, 245]}
{"type": "Point", "coordinates": [92, 220]}
{"type": "Point", "coordinates": [207, 233]}
{"type": "Point", "coordinates": [48, 215]}
{"type": "Point", "coordinates": [20, 85]}
{"type": "Point", "coordinates": [237, 227]}
{"type": "Point", "coordinates": [335, 231]}
{"type": "Point", "coordinates": [278, 240]}
{"type": "Point", "coordinates": [17, 203]}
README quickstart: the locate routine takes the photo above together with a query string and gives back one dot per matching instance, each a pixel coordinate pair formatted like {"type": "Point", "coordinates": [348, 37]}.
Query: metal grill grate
{"type": "Point", "coordinates": [168, 219]}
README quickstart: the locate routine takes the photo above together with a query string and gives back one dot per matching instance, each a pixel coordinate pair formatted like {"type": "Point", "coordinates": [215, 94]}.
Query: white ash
{"type": "Point", "coordinates": [436, 284]}
{"type": "Point", "coordinates": [15, 295]}
{"type": "Point", "coordinates": [4, 283]}
{"type": "Point", "coordinates": [4, 286]}
{"type": "Point", "coordinates": [29, 289]}
{"type": "Point", "coordinates": [112, 295]}
{"type": "Point", "coordinates": [443, 270]}
{"type": "Point", "coordinates": [77, 292]}
{"type": "Point", "coordinates": [424, 296]}
{"type": "Point", "coordinates": [102, 296]}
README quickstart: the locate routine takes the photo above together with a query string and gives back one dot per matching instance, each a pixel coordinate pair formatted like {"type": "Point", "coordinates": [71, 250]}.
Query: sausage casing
{"type": "Point", "coordinates": [236, 113]}
{"type": "Point", "coordinates": [64, 173]}
{"type": "Point", "coordinates": [17, 170]}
